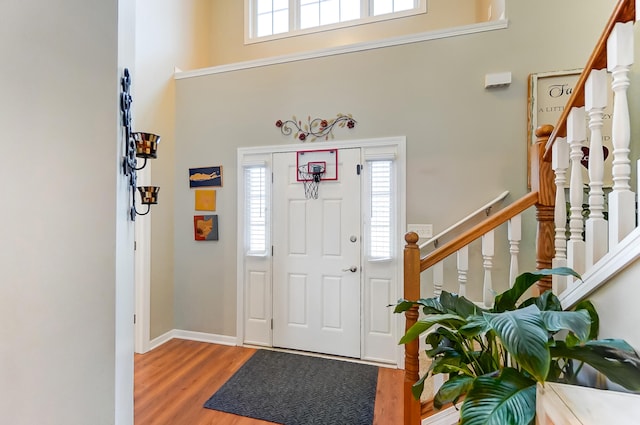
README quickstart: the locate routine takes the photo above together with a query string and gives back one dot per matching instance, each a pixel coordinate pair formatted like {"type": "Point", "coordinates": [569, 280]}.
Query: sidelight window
{"type": "Point", "coordinates": [256, 210]}
{"type": "Point", "coordinates": [381, 214]}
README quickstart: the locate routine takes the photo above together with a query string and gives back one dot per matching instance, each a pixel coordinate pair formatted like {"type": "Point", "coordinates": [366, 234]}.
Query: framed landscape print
{"type": "Point", "coordinates": [205, 176]}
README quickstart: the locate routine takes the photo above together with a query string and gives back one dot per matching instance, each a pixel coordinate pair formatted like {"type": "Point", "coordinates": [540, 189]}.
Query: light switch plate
{"type": "Point", "coordinates": [424, 231]}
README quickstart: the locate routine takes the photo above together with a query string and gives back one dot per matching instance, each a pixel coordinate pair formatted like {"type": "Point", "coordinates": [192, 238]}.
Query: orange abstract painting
{"type": "Point", "coordinates": [205, 227]}
{"type": "Point", "coordinates": [205, 200]}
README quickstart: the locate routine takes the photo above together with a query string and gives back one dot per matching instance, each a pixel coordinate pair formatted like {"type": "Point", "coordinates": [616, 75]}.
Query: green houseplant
{"type": "Point", "coordinates": [495, 357]}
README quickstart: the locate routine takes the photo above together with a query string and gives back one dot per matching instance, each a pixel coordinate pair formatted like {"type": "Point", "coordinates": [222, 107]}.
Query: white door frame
{"type": "Point", "coordinates": [142, 267]}
{"type": "Point", "coordinates": [142, 275]}
{"type": "Point", "coordinates": [400, 145]}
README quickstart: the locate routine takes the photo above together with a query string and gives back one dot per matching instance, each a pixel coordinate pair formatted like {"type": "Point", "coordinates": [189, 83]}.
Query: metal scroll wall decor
{"type": "Point", "coordinates": [137, 145]}
{"type": "Point", "coordinates": [314, 128]}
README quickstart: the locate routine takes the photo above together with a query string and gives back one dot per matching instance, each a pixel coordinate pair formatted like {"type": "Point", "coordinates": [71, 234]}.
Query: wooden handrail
{"type": "Point", "coordinates": [413, 266]}
{"type": "Point", "coordinates": [542, 196]}
{"type": "Point", "coordinates": [462, 222]}
{"type": "Point", "coordinates": [624, 11]}
{"type": "Point", "coordinates": [478, 230]}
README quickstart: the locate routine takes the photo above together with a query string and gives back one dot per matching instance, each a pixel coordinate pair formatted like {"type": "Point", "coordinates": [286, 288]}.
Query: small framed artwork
{"type": "Point", "coordinates": [549, 92]}
{"type": "Point", "coordinates": [205, 176]}
{"type": "Point", "coordinates": [205, 200]}
{"type": "Point", "coordinates": [205, 227]}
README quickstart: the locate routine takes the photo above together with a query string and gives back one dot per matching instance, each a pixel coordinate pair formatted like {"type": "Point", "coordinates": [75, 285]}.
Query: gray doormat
{"type": "Point", "coordinates": [293, 389]}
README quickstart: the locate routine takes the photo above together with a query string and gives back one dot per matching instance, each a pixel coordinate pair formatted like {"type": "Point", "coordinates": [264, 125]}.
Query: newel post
{"type": "Point", "coordinates": [543, 181]}
{"type": "Point", "coordinates": [411, 293]}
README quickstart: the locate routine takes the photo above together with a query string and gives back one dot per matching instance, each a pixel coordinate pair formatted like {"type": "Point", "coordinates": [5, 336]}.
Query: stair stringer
{"type": "Point", "coordinates": [613, 285]}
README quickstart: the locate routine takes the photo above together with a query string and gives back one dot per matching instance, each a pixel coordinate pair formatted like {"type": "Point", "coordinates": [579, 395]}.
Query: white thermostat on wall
{"type": "Point", "coordinates": [499, 79]}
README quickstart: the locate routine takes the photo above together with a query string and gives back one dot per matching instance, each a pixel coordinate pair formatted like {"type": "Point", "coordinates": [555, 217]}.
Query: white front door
{"type": "Point", "coordinates": [316, 259]}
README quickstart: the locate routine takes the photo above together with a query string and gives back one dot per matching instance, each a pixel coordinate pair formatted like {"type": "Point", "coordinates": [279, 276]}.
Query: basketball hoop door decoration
{"type": "Point", "coordinates": [314, 167]}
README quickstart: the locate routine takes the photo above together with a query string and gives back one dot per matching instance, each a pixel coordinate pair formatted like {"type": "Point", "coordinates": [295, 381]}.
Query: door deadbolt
{"type": "Point", "coordinates": [353, 238]}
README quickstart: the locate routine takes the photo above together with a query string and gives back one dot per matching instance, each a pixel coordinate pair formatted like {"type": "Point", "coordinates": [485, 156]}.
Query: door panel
{"type": "Point", "coordinates": [316, 295]}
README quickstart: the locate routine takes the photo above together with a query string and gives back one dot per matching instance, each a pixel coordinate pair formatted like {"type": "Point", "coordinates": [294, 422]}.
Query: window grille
{"type": "Point", "coordinates": [272, 18]}
{"type": "Point", "coordinates": [381, 209]}
{"type": "Point", "coordinates": [256, 210]}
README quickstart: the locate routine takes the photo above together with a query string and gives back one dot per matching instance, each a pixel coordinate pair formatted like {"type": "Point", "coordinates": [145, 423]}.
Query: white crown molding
{"type": "Point", "coordinates": [357, 47]}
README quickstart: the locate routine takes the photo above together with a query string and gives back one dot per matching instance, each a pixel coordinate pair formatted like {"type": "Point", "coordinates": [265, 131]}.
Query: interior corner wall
{"type": "Point", "coordinates": [465, 144]}
{"type": "Point", "coordinates": [169, 34]}
{"type": "Point", "coordinates": [63, 226]}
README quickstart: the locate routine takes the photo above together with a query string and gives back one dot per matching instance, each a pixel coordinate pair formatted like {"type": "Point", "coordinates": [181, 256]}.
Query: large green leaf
{"type": "Point", "coordinates": [616, 359]}
{"type": "Point", "coordinates": [487, 361]}
{"type": "Point", "coordinates": [506, 399]}
{"type": "Point", "coordinates": [595, 319]}
{"type": "Point", "coordinates": [440, 344]}
{"type": "Point", "coordinates": [476, 325]}
{"type": "Point", "coordinates": [448, 300]}
{"type": "Point", "coordinates": [423, 325]}
{"type": "Point", "coordinates": [452, 390]}
{"type": "Point", "coordinates": [523, 334]}
{"type": "Point", "coordinates": [507, 300]}
{"type": "Point", "coordinates": [429, 306]}
{"type": "Point", "coordinates": [418, 387]}
{"type": "Point", "coordinates": [454, 337]}
{"type": "Point", "coordinates": [451, 362]}
{"type": "Point", "coordinates": [457, 304]}
{"type": "Point", "coordinates": [545, 302]}
{"type": "Point", "coordinates": [577, 322]}
{"type": "Point", "coordinates": [403, 305]}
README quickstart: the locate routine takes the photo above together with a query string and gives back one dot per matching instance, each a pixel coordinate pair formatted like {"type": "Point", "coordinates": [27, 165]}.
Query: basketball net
{"type": "Point", "coordinates": [310, 180]}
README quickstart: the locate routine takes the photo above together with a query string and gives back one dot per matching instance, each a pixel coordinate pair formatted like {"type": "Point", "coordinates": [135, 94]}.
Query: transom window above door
{"type": "Point", "coordinates": [268, 19]}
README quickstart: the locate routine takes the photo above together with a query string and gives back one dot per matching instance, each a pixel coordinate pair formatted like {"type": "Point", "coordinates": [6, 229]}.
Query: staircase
{"type": "Point", "coordinates": [604, 247]}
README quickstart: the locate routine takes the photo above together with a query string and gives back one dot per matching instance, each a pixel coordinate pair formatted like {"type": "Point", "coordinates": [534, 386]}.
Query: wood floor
{"type": "Point", "coordinates": [173, 381]}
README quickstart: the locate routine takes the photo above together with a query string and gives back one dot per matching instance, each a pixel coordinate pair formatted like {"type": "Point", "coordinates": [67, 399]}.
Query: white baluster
{"type": "Point", "coordinates": [596, 227]}
{"type": "Point", "coordinates": [463, 269]}
{"type": "Point", "coordinates": [438, 278]}
{"type": "Point", "coordinates": [488, 250]}
{"type": "Point", "coordinates": [560, 164]}
{"type": "Point", "coordinates": [576, 136]}
{"type": "Point", "coordinates": [514, 233]}
{"type": "Point", "coordinates": [621, 199]}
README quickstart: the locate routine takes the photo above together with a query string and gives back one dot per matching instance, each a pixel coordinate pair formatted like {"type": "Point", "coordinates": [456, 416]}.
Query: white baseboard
{"type": "Point", "coordinates": [193, 336]}
{"type": "Point", "coordinates": [158, 341]}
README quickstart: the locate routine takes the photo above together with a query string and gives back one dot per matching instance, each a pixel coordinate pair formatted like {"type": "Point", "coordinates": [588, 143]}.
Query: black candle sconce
{"type": "Point", "coordinates": [137, 145]}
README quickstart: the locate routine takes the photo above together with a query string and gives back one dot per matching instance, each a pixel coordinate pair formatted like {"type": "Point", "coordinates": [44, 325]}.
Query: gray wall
{"type": "Point", "coordinates": [66, 269]}
{"type": "Point", "coordinates": [465, 144]}
{"type": "Point", "coordinates": [169, 34]}
{"type": "Point", "coordinates": [616, 304]}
